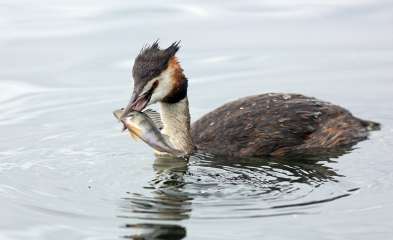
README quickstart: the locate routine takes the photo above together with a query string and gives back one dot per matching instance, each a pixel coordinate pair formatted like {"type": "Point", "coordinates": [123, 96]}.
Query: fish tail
{"type": "Point", "coordinates": [370, 125]}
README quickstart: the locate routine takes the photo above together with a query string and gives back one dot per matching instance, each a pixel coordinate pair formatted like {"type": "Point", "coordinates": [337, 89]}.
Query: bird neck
{"type": "Point", "coordinates": [176, 120]}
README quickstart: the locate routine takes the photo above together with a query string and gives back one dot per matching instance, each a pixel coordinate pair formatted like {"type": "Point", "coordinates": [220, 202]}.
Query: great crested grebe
{"type": "Point", "coordinates": [262, 125]}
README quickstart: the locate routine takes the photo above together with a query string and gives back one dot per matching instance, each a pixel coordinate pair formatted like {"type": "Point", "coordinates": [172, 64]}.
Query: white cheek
{"type": "Point", "coordinates": [164, 87]}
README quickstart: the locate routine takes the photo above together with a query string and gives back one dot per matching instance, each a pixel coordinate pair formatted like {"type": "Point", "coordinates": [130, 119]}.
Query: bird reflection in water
{"type": "Point", "coordinates": [179, 183]}
{"type": "Point", "coordinates": [167, 202]}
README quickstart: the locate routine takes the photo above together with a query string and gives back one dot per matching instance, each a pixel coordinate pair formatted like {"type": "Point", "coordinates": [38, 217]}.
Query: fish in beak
{"type": "Point", "coordinates": [141, 126]}
{"type": "Point", "coordinates": [135, 132]}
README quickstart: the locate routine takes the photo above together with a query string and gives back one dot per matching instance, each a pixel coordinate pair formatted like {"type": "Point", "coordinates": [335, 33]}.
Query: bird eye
{"type": "Point", "coordinates": [155, 84]}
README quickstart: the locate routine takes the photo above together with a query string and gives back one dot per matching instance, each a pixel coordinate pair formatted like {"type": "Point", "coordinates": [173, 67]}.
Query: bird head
{"type": "Point", "coordinates": [158, 77]}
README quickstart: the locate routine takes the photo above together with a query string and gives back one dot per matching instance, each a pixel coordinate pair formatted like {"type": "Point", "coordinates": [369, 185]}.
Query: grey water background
{"type": "Point", "coordinates": [67, 171]}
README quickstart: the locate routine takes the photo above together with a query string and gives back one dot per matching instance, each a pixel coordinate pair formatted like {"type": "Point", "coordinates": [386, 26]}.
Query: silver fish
{"type": "Point", "coordinates": [140, 125]}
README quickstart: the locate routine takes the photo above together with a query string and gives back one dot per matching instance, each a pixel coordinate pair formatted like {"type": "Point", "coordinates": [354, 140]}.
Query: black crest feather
{"type": "Point", "coordinates": [173, 48]}
{"type": "Point", "coordinates": [151, 61]}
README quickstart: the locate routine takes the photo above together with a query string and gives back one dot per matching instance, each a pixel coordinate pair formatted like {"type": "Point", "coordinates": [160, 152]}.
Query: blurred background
{"type": "Point", "coordinates": [66, 171]}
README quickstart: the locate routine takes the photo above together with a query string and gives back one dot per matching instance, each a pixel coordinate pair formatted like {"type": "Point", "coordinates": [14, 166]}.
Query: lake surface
{"type": "Point", "coordinates": [67, 171]}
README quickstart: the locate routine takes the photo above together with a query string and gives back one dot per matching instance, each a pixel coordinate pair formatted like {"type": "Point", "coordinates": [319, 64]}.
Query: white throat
{"type": "Point", "coordinates": [176, 120]}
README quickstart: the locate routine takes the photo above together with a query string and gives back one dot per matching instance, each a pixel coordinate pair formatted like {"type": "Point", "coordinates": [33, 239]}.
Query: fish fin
{"type": "Point", "coordinates": [155, 117]}
{"type": "Point", "coordinates": [124, 128]}
{"type": "Point", "coordinates": [134, 136]}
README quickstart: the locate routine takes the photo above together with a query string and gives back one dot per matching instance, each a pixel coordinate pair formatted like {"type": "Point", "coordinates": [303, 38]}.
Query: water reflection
{"type": "Point", "coordinates": [156, 232]}
{"type": "Point", "coordinates": [167, 202]}
{"type": "Point", "coordinates": [222, 187]}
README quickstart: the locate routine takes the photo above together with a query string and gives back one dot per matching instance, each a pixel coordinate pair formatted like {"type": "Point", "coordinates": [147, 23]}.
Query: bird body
{"type": "Point", "coordinates": [272, 124]}
{"type": "Point", "coordinates": [277, 124]}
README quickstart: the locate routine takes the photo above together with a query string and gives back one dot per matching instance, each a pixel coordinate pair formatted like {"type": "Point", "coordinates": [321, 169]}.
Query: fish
{"type": "Point", "coordinates": [141, 125]}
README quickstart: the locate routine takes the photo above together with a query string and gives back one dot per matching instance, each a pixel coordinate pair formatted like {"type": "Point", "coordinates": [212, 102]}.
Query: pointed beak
{"type": "Point", "coordinates": [139, 101]}
{"type": "Point", "coordinates": [130, 105]}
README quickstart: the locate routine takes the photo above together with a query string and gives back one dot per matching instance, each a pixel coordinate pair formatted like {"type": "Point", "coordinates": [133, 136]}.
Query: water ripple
{"type": "Point", "coordinates": [233, 188]}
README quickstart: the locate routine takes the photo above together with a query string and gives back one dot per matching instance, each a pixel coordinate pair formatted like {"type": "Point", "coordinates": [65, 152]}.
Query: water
{"type": "Point", "coordinates": [67, 172]}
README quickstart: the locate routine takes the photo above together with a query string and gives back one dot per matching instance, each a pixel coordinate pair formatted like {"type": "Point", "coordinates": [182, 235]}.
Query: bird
{"type": "Point", "coordinates": [268, 124]}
